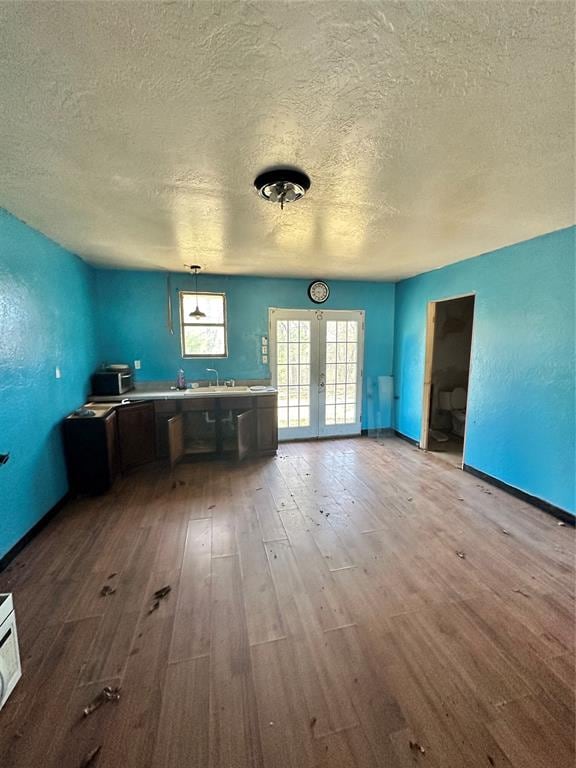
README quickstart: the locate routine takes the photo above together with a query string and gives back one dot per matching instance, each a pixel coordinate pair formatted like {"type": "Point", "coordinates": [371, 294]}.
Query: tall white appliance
{"type": "Point", "coordinates": [10, 669]}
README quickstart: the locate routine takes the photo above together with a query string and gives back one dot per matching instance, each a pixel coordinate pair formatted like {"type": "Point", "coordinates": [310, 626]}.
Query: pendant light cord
{"type": "Point", "coordinates": [196, 276]}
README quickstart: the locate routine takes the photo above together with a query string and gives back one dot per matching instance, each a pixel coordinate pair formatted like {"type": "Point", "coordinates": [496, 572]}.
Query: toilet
{"type": "Point", "coordinates": [455, 403]}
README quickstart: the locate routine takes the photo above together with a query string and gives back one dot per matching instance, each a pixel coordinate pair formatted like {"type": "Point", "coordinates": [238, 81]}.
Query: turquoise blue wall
{"type": "Point", "coordinates": [46, 319]}
{"type": "Point", "coordinates": [521, 417]}
{"type": "Point", "coordinates": [132, 323]}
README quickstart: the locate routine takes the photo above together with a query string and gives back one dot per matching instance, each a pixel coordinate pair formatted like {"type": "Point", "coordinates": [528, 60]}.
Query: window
{"type": "Point", "coordinates": [206, 336]}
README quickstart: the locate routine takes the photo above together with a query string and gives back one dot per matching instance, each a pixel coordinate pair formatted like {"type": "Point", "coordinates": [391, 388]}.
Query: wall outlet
{"type": "Point", "coordinates": [137, 365]}
{"type": "Point", "coordinates": [265, 359]}
{"type": "Point", "coordinates": [58, 372]}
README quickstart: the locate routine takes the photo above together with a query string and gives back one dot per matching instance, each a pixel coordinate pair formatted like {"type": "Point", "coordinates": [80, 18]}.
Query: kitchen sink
{"type": "Point", "coordinates": [219, 390]}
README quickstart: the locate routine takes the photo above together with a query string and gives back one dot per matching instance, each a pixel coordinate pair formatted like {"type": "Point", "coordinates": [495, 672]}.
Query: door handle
{"type": "Point", "coordinates": [322, 381]}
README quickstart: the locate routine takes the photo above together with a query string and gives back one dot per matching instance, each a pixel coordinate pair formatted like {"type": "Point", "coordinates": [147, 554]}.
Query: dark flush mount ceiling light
{"type": "Point", "coordinates": [197, 314]}
{"type": "Point", "coordinates": [282, 185]}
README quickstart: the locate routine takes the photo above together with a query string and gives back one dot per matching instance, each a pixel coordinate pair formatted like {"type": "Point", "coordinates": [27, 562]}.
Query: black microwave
{"type": "Point", "coordinates": [112, 382]}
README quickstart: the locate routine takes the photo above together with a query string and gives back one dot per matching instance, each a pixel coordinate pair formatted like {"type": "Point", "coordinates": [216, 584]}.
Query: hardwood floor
{"type": "Point", "coordinates": [348, 604]}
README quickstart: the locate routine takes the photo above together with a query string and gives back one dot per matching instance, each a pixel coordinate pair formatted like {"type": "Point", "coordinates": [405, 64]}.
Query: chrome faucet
{"type": "Point", "coordinates": [213, 370]}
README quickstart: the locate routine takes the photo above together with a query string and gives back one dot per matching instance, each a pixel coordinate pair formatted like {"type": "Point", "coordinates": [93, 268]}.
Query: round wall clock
{"type": "Point", "coordinates": [318, 291]}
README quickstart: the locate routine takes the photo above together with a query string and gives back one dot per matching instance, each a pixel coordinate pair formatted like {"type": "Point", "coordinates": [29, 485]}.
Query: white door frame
{"type": "Point", "coordinates": [428, 362]}
{"type": "Point", "coordinates": [317, 427]}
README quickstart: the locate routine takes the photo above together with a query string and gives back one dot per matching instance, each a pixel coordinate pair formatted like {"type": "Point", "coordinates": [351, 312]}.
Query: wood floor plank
{"type": "Point", "coordinates": [263, 617]}
{"type": "Point", "coordinates": [530, 737]}
{"type": "Point", "coordinates": [365, 677]}
{"type": "Point", "coordinates": [446, 722]}
{"type": "Point", "coordinates": [268, 515]}
{"type": "Point", "coordinates": [309, 574]}
{"type": "Point", "coordinates": [234, 732]}
{"type": "Point", "coordinates": [191, 635]}
{"type": "Point", "coordinates": [131, 738]}
{"type": "Point", "coordinates": [219, 503]}
{"type": "Point", "coordinates": [113, 639]}
{"type": "Point", "coordinates": [286, 728]}
{"type": "Point", "coordinates": [345, 749]}
{"type": "Point", "coordinates": [315, 667]}
{"type": "Point", "coordinates": [77, 736]}
{"type": "Point", "coordinates": [182, 738]}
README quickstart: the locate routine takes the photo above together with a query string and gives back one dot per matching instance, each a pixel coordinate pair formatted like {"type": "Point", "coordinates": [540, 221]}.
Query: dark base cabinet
{"type": "Point", "coordinates": [91, 453]}
{"type": "Point", "coordinates": [204, 426]}
{"type": "Point", "coordinates": [136, 427]}
{"type": "Point", "coordinates": [98, 447]}
{"type": "Point", "coordinates": [131, 434]}
{"type": "Point", "coordinates": [266, 425]}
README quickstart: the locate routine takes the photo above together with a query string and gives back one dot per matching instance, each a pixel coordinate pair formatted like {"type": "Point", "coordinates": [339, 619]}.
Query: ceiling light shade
{"type": "Point", "coordinates": [282, 185]}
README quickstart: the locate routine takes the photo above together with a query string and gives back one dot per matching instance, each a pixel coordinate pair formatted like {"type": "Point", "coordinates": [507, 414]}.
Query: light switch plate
{"type": "Point", "coordinates": [137, 364]}
{"type": "Point", "coordinates": [264, 358]}
{"type": "Point", "coordinates": [58, 372]}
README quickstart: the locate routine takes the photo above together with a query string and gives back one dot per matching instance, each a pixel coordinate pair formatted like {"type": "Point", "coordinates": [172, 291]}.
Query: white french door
{"type": "Point", "coordinates": [316, 360]}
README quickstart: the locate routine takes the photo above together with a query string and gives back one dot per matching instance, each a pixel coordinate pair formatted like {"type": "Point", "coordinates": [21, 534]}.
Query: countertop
{"type": "Point", "coordinates": [164, 392]}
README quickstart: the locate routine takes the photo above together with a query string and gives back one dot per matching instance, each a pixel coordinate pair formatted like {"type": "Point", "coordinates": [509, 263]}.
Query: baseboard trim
{"type": "Point", "coordinates": [377, 432]}
{"type": "Point", "coordinates": [34, 531]}
{"type": "Point", "coordinates": [408, 439]}
{"type": "Point", "coordinates": [557, 512]}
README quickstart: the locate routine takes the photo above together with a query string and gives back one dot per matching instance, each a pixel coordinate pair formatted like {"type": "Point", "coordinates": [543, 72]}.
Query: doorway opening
{"type": "Point", "coordinates": [316, 360]}
{"type": "Point", "coordinates": [447, 374]}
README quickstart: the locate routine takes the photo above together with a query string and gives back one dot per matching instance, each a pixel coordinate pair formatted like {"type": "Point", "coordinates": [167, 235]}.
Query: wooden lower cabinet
{"type": "Point", "coordinates": [266, 424]}
{"type": "Point", "coordinates": [236, 426]}
{"type": "Point", "coordinates": [90, 448]}
{"type": "Point", "coordinates": [136, 427]}
{"type": "Point", "coordinates": [133, 434]}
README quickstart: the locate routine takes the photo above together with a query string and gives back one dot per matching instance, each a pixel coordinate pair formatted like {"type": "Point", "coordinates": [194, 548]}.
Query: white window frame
{"type": "Point", "coordinates": [195, 323]}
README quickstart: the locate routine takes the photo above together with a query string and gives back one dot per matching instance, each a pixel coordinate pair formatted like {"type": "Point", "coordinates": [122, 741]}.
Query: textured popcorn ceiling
{"type": "Point", "coordinates": [131, 132]}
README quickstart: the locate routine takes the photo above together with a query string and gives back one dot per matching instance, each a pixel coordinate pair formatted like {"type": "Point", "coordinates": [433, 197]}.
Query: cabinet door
{"type": "Point", "coordinates": [164, 411]}
{"type": "Point", "coordinates": [267, 430]}
{"type": "Point", "coordinates": [175, 439]}
{"type": "Point", "coordinates": [136, 434]}
{"type": "Point", "coordinates": [245, 434]}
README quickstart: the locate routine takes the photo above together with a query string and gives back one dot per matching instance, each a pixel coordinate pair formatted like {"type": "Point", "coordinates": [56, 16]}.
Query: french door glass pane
{"type": "Point", "coordinates": [341, 371]}
{"type": "Point", "coordinates": [293, 372]}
